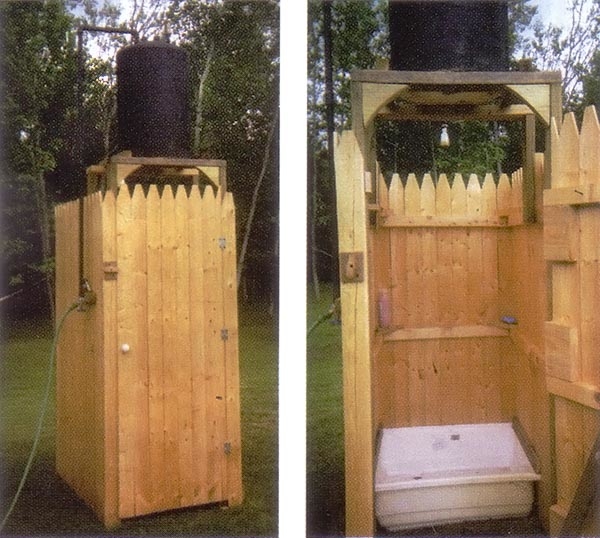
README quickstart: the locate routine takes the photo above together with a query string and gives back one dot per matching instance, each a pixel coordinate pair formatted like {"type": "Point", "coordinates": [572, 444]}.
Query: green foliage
{"type": "Point", "coordinates": [591, 82]}
{"type": "Point", "coordinates": [570, 49]}
{"type": "Point", "coordinates": [37, 66]}
{"type": "Point", "coordinates": [235, 46]}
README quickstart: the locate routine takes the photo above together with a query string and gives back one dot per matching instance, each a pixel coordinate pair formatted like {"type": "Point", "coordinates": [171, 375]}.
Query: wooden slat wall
{"type": "Point", "coordinates": [81, 456]}
{"type": "Point", "coordinates": [436, 252]}
{"type": "Point", "coordinates": [155, 426]}
{"type": "Point", "coordinates": [572, 248]}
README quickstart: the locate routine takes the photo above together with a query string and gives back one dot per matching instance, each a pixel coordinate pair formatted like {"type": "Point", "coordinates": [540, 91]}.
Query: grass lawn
{"type": "Point", "coordinates": [325, 435]}
{"type": "Point", "coordinates": [48, 506]}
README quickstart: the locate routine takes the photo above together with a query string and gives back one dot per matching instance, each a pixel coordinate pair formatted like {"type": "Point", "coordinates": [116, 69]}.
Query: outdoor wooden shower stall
{"type": "Point", "coordinates": [456, 256]}
{"type": "Point", "coordinates": [147, 410]}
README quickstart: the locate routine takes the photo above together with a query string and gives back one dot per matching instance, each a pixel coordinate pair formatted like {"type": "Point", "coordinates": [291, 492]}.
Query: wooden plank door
{"type": "Point", "coordinates": [171, 382]}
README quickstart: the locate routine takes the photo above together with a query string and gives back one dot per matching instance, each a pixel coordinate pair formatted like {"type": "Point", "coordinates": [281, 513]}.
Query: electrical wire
{"type": "Point", "coordinates": [43, 410]}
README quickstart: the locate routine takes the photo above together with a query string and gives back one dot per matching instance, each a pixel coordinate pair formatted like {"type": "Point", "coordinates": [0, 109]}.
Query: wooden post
{"type": "Point", "coordinates": [356, 348]}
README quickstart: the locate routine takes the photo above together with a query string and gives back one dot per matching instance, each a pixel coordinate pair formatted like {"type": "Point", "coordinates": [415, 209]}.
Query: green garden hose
{"type": "Point", "coordinates": [43, 410]}
{"type": "Point", "coordinates": [334, 311]}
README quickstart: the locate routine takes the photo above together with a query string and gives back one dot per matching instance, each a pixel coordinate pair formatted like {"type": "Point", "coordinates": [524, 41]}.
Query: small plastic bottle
{"type": "Point", "coordinates": [384, 303]}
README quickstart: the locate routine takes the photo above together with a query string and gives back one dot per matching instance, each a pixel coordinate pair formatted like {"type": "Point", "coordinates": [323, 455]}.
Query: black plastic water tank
{"type": "Point", "coordinates": [152, 100]}
{"type": "Point", "coordinates": [449, 35]}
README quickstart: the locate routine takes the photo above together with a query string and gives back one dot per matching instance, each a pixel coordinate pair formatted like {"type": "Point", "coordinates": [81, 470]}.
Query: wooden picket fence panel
{"type": "Point", "coordinates": [470, 202]}
{"type": "Point", "coordinates": [156, 425]}
{"type": "Point", "coordinates": [572, 336]}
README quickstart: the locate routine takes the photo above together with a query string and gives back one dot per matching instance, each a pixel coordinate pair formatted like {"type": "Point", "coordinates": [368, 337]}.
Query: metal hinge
{"type": "Point", "coordinates": [222, 243]}
{"type": "Point", "coordinates": [227, 448]}
{"type": "Point", "coordinates": [224, 334]}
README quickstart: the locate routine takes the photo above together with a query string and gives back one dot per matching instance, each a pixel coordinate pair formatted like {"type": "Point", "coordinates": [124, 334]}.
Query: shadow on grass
{"type": "Point", "coordinates": [47, 506]}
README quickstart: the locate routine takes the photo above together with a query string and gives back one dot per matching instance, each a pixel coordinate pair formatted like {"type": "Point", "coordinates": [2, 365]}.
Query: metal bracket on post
{"type": "Point", "coordinates": [352, 266]}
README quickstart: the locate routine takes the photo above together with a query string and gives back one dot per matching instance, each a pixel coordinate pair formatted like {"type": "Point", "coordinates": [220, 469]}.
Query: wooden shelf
{"type": "Point", "coordinates": [436, 333]}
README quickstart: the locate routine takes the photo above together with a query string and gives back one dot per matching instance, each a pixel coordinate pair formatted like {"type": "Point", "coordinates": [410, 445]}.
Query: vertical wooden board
{"type": "Point", "coordinates": [94, 326]}
{"type": "Point", "coordinates": [429, 278]}
{"type": "Point", "coordinates": [398, 386]}
{"type": "Point", "coordinates": [475, 277]}
{"type": "Point", "coordinates": [589, 147]}
{"type": "Point", "coordinates": [503, 196]}
{"type": "Point", "coordinates": [213, 323]}
{"type": "Point", "coordinates": [459, 196]}
{"type": "Point", "coordinates": [489, 288]}
{"type": "Point", "coordinates": [489, 208]}
{"type": "Point", "coordinates": [447, 386]}
{"type": "Point", "coordinates": [562, 352]}
{"type": "Point", "coordinates": [109, 364]}
{"type": "Point", "coordinates": [382, 193]}
{"type": "Point", "coordinates": [435, 402]}
{"type": "Point", "coordinates": [445, 291]}
{"type": "Point", "coordinates": [414, 278]}
{"type": "Point", "coordinates": [474, 201]}
{"type": "Point", "coordinates": [443, 197]}
{"type": "Point", "coordinates": [412, 197]}
{"type": "Point", "coordinates": [479, 405]}
{"type": "Point", "coordinates": [184, 366]}
{"type": "Point", "coordinates": [198, 349]}
{"type": "Point", "coordinates": [565, 294]}
{"type": "Point", "coordinates": [126, 248]}
{"type": "Point", "coordinates": [589, 278]}
{"type": "Point", "coordinates": [561, 231]}
{"type": "Point", "coordinates": [460, 277]}
{"type": "Point", "coordinates": [398, 279]}
{"type": "Point", "coordinates": [466, 376]}
{"type": "Point", "coordinates": [427, 196]}
{"type": "Point", "coordinates": [557, 177]}
{"type": "Point", "coordinates": [233, 486]}
{"type": "Point", "coordinates": [73, 371]}
{"type": "Point", "coordinates": [156, 395]}
{"type": "Point", "coordinates": [416, 383]}
{"type": "Point", "coordinates": [569, 151]}
{"type": "Point", "coordinates": [570, 449]}
{"type": "Point", "coordinates": [516, 204]}
{"type": "Point", "coordinates": [67, 278]}
{"type": "Point", "coordinates": [492, 364]}
{"type": "Point", "coordinates": [169, 356]}
{"type": "Point", "coordinates": [139, 346]}
{"type": "Point", "coordinates": [396, 196]}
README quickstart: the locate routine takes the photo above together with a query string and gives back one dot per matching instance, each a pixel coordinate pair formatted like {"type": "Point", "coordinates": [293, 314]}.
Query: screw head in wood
{"type": "Point", "coordinates": [125, 348]}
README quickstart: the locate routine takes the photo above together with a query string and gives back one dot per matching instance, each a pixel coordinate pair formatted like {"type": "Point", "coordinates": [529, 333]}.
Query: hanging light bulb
{"type": "Point", "coordinates": [444, 137]}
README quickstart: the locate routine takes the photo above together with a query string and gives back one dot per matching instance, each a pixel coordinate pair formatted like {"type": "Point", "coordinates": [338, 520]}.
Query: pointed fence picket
{"type": "Point", "coordinates": [465, 202]}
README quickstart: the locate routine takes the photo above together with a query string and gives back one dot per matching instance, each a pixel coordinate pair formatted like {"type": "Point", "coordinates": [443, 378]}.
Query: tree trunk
{"type": "Point", "coordinates": [255, 198]}
{"type": "Point", "coordinates": [313, 234]}
{"type": "Point", "coordinates": [328, 46]}
{"type": "Point", "coordinates": [43, 214]}
{"type": "Point", "coordinates": [199, 96]}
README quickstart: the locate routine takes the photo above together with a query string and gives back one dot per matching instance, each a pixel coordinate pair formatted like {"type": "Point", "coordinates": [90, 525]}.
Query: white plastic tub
{"type": "Point", "coordinates": [444, 474]}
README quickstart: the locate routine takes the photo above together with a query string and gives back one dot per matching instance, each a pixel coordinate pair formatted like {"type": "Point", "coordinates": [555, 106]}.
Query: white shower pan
{"type": "Point", "coordinates": [433, 475]}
